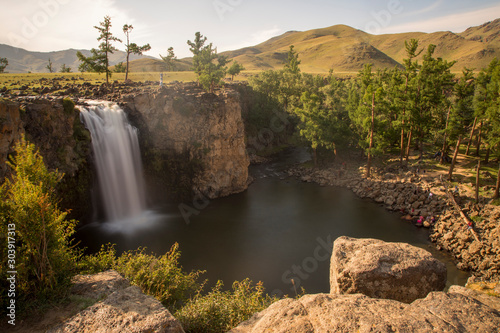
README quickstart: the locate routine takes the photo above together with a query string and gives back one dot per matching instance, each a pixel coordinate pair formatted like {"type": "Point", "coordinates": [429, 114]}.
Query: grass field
{"type": "Point", "coordinates": [34, 80]}
{"type": "Point", "coordinates": [14, 81]}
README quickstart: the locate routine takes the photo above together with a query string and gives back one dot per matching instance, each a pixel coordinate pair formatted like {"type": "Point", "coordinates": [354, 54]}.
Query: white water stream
{"type": "Point", "coordinates": [117, 160]}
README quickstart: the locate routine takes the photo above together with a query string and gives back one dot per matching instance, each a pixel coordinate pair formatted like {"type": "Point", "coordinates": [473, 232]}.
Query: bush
{"type": "Point", "coordinates": [38, 231]}
{"type": "Point", "coordinates": [159, 276]}
{"type": "Point", "coordinates": [101, 261]}
{"type": "Point", "coordinates": [220, 311]}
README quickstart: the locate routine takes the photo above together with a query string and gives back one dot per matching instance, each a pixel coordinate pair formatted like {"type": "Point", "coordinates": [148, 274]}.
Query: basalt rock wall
{"type": "Point", "coordinates": [193, 142]}
{"type": "Point", "coordinates": [54, 127]}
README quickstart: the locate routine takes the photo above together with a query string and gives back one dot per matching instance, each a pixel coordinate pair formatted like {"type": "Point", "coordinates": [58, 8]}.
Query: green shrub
{"type": "Point", "coordinates": [160, 276]}
{"type": "Point", "coordinates": [220, 311]}
{"type": "Point", "coordinates": [69, 106]}
{"type": "Point", "coordinates": [101, 261]}
{"type": "Point", "coordinates": [38, 231]}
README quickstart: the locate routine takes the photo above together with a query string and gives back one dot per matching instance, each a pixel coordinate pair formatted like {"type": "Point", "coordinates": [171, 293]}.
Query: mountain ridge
{"type": "Point", "coordinates": [338, 47]}
{"type": "Point", "coordinates": [343, 48]}
{"type": "Point", "coordinates": [24, 61]}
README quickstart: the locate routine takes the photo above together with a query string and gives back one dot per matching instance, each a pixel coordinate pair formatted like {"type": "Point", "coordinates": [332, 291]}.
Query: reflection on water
{"type": "Point", "coordinates": [275, 231]}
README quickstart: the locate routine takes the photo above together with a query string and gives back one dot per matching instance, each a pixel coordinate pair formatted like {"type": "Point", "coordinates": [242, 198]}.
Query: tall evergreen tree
{"type": "Point", "coordinates": [409, 94]}
{"type": "Point", "coordinates": [99, 60]}
{"type": "Point", "coordinates": [49, 66]}
{"type": "Point", "coordinates": [207, 63]}
{"type": "Point", "coordinates": [196, 47]}
{"type": "Point", "coordinates": [292, 63]}
{"type": "Point", "coordinates": [170, 59]}
{"type": "Point", "coordinates": [487, 108]}
{"type": "Point", "coordinates": [3, 63]}
{"type": "Point", "coordinates": [132, 47]}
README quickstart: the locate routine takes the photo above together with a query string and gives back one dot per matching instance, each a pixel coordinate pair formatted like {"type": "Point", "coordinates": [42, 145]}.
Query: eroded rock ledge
{"type": "Point", "coordinates": [192, 138]}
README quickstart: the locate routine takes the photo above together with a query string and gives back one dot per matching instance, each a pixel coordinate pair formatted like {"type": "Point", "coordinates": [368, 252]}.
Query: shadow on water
{"type": "Point", "coordinates": [277, 230]}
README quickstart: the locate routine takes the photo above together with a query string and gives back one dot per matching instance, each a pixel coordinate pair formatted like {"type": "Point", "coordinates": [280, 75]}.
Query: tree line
{"type": "Point", "coordinates": [207, 63]}
{"type": "Point", "coordinates": [384, 110]}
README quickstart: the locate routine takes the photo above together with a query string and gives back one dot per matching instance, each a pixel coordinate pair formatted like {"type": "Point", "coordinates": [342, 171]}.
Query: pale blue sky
{"type": "Point", "coordinates": [51, 25]}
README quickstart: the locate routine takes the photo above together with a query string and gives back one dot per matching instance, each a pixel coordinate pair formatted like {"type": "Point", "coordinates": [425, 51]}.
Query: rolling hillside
{"type": "Point", "coordinates": [340, 47]}
{"type": "Point", "coordinates": [23, 61]}
{"type": "Point", "coordinates": [343, 48]}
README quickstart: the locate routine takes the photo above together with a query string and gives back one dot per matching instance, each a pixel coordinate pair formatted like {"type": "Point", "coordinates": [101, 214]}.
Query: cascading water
{"type": "Point", "coordinates": [117, 160]}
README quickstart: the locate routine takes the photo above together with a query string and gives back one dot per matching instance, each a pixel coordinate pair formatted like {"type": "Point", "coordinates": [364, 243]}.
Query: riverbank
{"type": "Point", "coordinates": [421, 195]}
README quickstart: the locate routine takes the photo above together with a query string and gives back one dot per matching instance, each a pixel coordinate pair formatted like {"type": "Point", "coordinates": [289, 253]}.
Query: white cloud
{"type": "Point", "coordinates": [454, 22]}
{"type": "Point", "coordinates": [56, 24]}
{"type": "Point", "coordinates": [425, 10]}
{"type": "Point", "coordinates": [256, 38]}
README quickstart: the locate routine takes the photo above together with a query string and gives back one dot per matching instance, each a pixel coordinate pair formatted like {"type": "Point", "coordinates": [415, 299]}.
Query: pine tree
{"type": "Point", "coordinates": [292, 63]}
{"type": "Point", "coordinates": [49, 66]}
{"type": "Point", "coordinates": [207, 63]}
{"type": "Point", "coordinates": [99, 61]}
{"type": "Point", "coordinates": [132, 47]}
{"type": "Point", "coordinates": [3, 63]}
{"type": "Point", "coordinates": [65, 69]}
{"type": "Point", "coordinates": [170, 59]}
{"type": "Point", "coordinates": [235, 69]}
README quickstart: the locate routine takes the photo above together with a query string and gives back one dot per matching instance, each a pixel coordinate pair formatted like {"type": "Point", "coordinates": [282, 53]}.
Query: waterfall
{"type": "Point", "coordinates": [117, 160]}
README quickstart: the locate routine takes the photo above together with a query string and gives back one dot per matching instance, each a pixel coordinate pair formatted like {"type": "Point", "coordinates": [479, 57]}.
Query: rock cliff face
{"type": "Point", "coordinates": [193, 142]}
{"type": "Point", "coordinates": [11, 129]}
{"type": "Point", "coordinates": [54, 127]}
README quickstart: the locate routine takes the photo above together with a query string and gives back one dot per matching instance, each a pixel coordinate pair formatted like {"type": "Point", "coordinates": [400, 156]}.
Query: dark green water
{"type": "Point", "coordinates": [277, 230]}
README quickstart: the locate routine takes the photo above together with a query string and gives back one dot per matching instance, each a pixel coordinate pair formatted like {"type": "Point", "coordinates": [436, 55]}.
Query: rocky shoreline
{"type": "Point", "coordinates": [415, 196]}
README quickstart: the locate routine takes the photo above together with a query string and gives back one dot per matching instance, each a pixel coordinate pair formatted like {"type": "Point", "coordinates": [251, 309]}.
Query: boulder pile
{"type": "Point", "coordinates": [417, 199]}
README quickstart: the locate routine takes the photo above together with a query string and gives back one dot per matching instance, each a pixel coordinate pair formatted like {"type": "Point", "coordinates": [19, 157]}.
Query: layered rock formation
{"type": "Point", "coordinates": [397, 271]}
{"type": "Point", "coordinates": [192, 139]}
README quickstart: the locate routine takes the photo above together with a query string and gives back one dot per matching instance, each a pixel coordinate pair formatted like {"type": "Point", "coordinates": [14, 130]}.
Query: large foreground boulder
{"type": "Point", "coordinates": [124, 308]}
{"type": "Point", "coordinates": [438, 312]}
{"type": "Point", "coordinates": [378, 269]}
{"type": "Point", "coordinates": [98, 286]}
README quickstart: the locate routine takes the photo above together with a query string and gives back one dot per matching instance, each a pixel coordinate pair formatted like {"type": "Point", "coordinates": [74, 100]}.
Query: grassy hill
{"type": "Point", "coordinates": [343, 48]}
{"type": "Point", "coordinates": [339, 47]}
{"type": "Point", "coordinates": [23, 61]}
